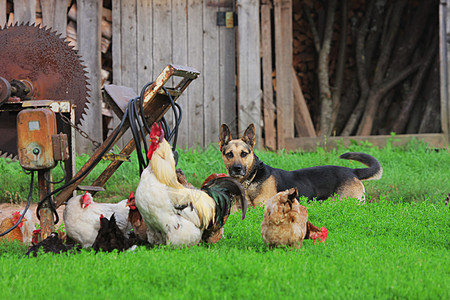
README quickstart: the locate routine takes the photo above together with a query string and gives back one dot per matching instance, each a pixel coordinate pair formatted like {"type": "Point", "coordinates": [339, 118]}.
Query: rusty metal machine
{"type": "Point", "coordinates": [43, 95]}
{"type": "Point", "coordinates": [42, 80]}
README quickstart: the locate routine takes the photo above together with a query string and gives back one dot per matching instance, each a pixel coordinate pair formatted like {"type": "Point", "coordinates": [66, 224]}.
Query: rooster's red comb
{"type": "Point", "coordinates": [156, 131]}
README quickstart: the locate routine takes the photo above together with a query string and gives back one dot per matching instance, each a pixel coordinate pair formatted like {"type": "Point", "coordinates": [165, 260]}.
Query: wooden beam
{"type": "Point", "coordinates": [444, 54]}
{"type": "Point", "coordinates": [211, 81]}
{"type": "Point", "coordinates": [162, 40]}
{"type": "Point", "coordinates": [249, 67]}
{"type": "Point", "coordinates": [25, 11]}
{"type": "Point", "coordinates": [270, 132]}
{"type": "Point", "coordinates": [54, 15]}
{"type": "Point", "coordinates": [283, 63]}
{"type": "Point", "coordinates": [89, 17]}
{"type": "Point", "coordinates": [227, 73]}
{"type": "Point", "coordinates": [144, 37]}
{"type": "Point", "coordinates": [2, 13]}
{"type": "Point", "coordinates": [195, 58]}
{"type": "Point", "coordinates": [303, 122]}
{"type": "Point", "coordinates": [180, 55]}
{"type": "Point", "coordinates": [436, 140]}
{"type": "Point", "coordinates": [45, 213]}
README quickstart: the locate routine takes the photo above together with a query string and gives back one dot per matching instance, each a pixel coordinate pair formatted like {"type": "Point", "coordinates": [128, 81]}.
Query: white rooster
{"type": "Point", "coordinates": [175, 214]}
{"type": "Point", "coordinates": [82, 218]}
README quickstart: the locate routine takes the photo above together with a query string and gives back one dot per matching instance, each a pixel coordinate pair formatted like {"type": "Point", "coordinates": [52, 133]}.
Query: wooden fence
{"type": "Point", "coordinates": [147, 35]}
{"type": "Point", "coordinates": [236, 64]}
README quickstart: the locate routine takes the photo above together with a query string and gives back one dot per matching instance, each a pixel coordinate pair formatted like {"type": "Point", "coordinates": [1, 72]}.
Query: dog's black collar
{"type": "Point", "coordinates": [251, 176]}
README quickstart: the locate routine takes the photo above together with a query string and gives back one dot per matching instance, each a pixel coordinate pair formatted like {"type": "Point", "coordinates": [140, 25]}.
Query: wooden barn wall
{"type": "Point", "coordinates": [149, 34]}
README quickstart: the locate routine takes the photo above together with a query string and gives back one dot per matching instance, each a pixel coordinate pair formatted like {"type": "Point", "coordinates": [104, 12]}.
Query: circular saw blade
{"type": "Point", "coordinates": [40, 57]}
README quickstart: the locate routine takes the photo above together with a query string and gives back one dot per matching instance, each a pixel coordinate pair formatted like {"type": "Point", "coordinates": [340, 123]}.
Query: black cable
{"type": "Point", "coordinates": [136, 134]}
{"type": "Point", "coordinates": [141, 104]}
{"type": "Point", "coordinates": [30, 194]}
{"type": "Point", "coordinates": [59, 181]}
{"type": "Point", "coordinates": [131, 121]}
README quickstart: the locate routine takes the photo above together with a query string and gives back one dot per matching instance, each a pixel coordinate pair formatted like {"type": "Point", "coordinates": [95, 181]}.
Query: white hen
{"type": "Point", "coordinates": [82, 218]}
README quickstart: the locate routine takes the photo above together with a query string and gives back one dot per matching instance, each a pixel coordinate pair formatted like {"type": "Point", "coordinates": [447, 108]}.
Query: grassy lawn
{"type": "Point", "coordinates": [396, 245]}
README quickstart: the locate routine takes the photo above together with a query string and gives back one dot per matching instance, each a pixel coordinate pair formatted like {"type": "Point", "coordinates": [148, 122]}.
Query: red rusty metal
{"type": "Point", "coordinates": [35, 128]}
{"type": "Point", "coordinates": [42, 58]}
{"type": "Point", "coordinates": [45, 213]}
{"type": "Point", "coordinates": [47, 65]}
{"type": "Point", "coordinates": [60, 147]}
{"type": "Point", "coordinates": [5, 90]}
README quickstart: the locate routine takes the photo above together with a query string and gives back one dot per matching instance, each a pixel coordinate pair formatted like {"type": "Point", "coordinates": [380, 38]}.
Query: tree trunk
{"type": "Point", "coordinates": [323, 70]}
{"type": "Point", "coordinates": [404, 55]}
{"type": "Point", "coordinates": [408, 103]}
{"type": "Point", "coordinates": [361, 71]}
{"type": "Point", "coordinates": [336, 95]}
{"type": "Point", "coordinates": [365, 127]}
{"type": "Point", "coordinates": [431, 121]}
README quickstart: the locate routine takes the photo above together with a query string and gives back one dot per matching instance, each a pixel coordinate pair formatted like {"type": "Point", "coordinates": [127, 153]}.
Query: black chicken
{"type": "Point", "coordinates": [110, 237]}
{"type": "Point", "coordinates": [52, 244]}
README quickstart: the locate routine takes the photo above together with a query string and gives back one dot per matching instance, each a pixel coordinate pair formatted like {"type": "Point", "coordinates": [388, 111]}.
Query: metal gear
{"type": "Point", "coordinates": [40, 57]}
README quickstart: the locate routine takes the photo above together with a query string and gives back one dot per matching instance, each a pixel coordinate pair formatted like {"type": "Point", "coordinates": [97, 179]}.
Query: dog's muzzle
{"type": "Point", "coordinates": [237, 170]}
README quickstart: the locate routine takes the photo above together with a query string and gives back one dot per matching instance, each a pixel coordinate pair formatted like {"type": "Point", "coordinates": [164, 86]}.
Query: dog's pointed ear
{"type": "Point", "coordinates": [249, 135]}
{"type": "Point", "coordinates": [224, 136]}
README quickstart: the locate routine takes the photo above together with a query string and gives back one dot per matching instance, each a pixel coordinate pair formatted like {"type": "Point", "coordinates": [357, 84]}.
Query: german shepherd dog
{"type": "Point", "coordinates": [261, 181]}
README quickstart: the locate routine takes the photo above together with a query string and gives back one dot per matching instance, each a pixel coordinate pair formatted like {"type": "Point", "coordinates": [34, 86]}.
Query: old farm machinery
{"type": "Point", "coordinates": [43, 96]}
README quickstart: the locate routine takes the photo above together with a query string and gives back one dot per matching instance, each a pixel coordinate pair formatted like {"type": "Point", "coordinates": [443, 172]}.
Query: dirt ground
{"type": "Point", "coordinates": [6, 209]}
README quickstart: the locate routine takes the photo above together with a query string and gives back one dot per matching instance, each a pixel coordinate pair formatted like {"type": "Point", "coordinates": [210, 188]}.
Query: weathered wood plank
{"type": "Point", "coordinates": [144, 47]}
{"type": "Point", "coordinates": [249, 73]}
{"type": "Point", "coordinates": [162, 42]}
{"type": "Point", "coordinates": [195, 60]}
{"type": "Point", "coordinates": [180, 56]}
{"type": "Point", "coordinates": [435, 140]}
{"type": "Point", "coordinates": [444, 53]}
{"type": "Point", "coordinates": [129, 45]}
{"type": "Point", "coordinates": [89, 43]}
{"type": "Point", "coordinates": [211, 78]}
{"type": "Point", "coordinates": [227, 73]}
{"type": "Point", "coordinates": [54, 15]}
{"type": "Point", "coordinates": [283, 63]}
{"type": "Point", "coordinates": [117, 41]}
{"type": "Point", "coordinates": [2, 13]}
{"type": "Point", "coordinates": [144, 43]}
{"type": "Point", "coordinates": [303, 122]}
{"type": "Point", "coordinates": [25, 11]}
{"type": "Point", "coordinates": [128, 52]}
{"type": "Point", "coordinates": [117, 54]}
{"type": "Point", "coordinates": [270, 131]}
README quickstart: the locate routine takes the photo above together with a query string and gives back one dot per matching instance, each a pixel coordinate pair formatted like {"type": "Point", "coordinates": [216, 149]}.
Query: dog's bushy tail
{"type": "Point", "coordinates": [374, 170]}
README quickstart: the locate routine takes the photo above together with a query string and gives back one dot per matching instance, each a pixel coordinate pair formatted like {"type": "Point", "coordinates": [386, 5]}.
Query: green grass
{"type": "Point", "coordinates": [378, 250]}
{"type": "Point", "coordinates": [396, 245]}
{"type": "Point", "coordinates": [410, 174]}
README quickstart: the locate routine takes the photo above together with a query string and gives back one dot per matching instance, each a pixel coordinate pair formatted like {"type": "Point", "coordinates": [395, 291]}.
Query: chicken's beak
{"type": "Point", "coordinates": [130, 205]}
